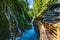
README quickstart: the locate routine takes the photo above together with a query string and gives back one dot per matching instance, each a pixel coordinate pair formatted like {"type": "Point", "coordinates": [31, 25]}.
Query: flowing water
{"type": "Point", "coordinates": [29, 34]}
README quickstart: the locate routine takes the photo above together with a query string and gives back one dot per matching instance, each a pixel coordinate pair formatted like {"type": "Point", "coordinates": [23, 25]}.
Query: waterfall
{"type": "Point", "coordinates": [32, 25]}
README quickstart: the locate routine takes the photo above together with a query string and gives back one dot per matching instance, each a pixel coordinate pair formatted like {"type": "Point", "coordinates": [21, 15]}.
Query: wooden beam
{"type": "Point", "coordinates": [58, 32]}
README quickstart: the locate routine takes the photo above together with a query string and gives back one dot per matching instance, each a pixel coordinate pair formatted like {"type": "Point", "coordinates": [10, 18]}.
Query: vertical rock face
{"type": "Point", "coordinates": [12, 22]}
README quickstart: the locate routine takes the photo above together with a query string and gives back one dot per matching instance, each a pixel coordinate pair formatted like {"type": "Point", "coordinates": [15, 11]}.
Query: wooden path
{"type": "Point", "coordinates": [45, 34]}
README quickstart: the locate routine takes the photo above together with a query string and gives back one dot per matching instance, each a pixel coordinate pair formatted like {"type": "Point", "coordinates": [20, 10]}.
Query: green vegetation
{"type": "Point", "coordinates": [19, 8]}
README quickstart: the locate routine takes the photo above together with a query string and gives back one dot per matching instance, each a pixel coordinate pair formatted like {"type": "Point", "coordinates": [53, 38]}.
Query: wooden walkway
{"type": "Point", "coordinates": [44, 33]}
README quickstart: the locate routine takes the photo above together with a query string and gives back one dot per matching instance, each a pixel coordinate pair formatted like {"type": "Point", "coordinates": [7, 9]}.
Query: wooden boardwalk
{"type": "Point", "coordinates": [44, 33]}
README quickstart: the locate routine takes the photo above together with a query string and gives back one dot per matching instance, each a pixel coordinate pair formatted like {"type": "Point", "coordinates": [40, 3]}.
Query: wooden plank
{"type": "Point", "coordinates": [58, 32]}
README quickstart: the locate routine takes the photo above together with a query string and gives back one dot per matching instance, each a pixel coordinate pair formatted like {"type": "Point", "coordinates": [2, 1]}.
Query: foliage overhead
{"type": "Point", "coordinates": [39, 6]}
{"type": "Point", "coordinates": [22, 13]}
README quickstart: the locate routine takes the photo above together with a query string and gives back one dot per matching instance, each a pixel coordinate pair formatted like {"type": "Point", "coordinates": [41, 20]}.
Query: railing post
{"type": "Point", "coordinates": [58, 32]}
{"type": "Point", "coordinates": [40, 30]}
{"type": "Point", "coordinates": [40, 34]}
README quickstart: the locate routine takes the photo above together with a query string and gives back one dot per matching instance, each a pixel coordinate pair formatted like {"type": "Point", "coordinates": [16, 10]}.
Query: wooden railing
{"type": "Point", "coordinates": [53, 29]}
{"type": "Point", "coordinates": [58, 31]}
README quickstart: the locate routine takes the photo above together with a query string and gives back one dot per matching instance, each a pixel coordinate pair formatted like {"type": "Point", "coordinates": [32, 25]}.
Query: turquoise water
{"type": "Point", "coordinates": [29, 34]}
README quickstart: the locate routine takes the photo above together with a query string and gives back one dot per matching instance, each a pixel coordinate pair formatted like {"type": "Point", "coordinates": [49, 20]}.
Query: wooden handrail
{"type": "Point", "coordinates": [58, 31]}
{"type": "Point", "coordinates": [46, 25]}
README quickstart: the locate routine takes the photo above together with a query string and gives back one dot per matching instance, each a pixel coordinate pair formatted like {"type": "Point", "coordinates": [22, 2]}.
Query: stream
{"type": "Point", "coordinates": [29, 34]}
